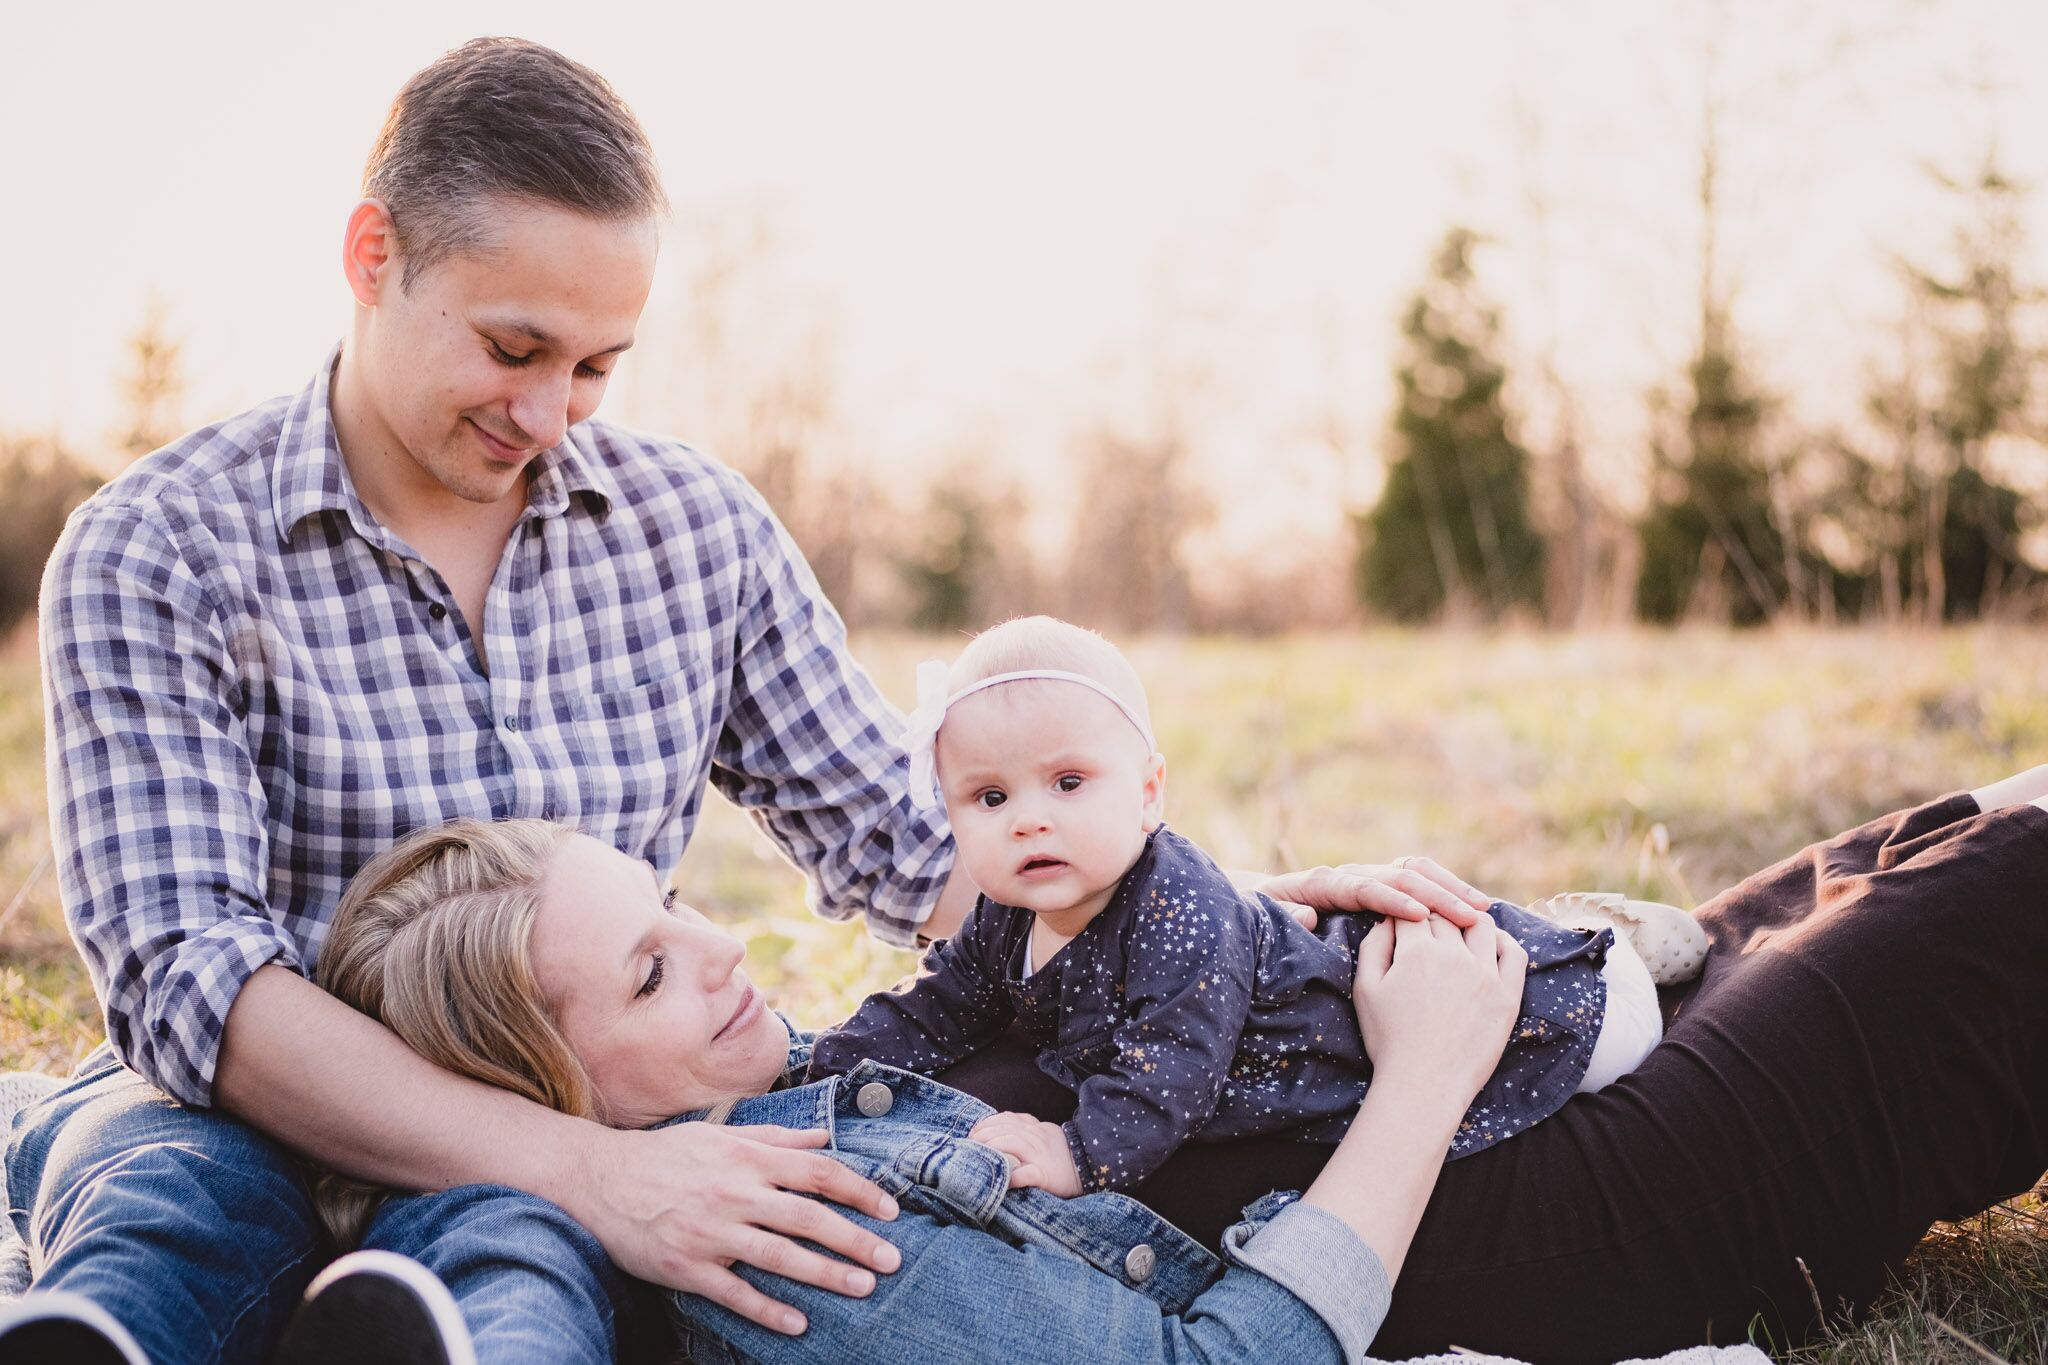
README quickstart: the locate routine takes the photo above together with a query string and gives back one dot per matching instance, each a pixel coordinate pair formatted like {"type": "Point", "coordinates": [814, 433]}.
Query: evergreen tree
{"type": "Point", "coordinates": [1964, 546]}
{"type": "Point", "coordinates": [1451, 532]}
{"type": "Point", "coordinates": [1710, 545]}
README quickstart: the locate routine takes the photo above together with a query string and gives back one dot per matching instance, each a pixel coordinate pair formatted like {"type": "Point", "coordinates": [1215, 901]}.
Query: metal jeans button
{"type": "Point", "coordinates": [1139, 1263]}
{"type": "Point", "coordinates": [874, 1099]}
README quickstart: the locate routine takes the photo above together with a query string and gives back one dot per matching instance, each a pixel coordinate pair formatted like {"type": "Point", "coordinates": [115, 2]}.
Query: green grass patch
{"type": "Point", "coordinates": [1662, 764]}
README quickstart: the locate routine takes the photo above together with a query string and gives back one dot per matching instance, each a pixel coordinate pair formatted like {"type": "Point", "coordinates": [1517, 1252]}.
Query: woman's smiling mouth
{"type": "Point", "coordinates": [749, 1006]}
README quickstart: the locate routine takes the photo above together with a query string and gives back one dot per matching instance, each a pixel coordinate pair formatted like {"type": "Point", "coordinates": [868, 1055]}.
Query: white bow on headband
{"type": "Point", "coordinates": [921, 730]}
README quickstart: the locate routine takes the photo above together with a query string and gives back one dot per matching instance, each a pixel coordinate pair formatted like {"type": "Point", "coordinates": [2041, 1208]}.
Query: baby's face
{"type": "Point", "coordinates": [650, 995]}
{"type": "Point", "coordinates": [1051, 791]}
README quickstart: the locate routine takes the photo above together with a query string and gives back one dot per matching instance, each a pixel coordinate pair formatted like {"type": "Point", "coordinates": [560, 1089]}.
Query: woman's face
{"type": "Point", "coordinates": [650, 996]}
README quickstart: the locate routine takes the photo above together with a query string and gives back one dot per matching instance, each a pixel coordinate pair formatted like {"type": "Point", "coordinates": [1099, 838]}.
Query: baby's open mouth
{"type": "Point", "coordinates": [1032, 865]}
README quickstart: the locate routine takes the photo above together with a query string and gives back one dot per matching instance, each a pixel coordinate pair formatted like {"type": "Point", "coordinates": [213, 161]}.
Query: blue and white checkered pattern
{"type": "Point", "coordinates": [252, 687]}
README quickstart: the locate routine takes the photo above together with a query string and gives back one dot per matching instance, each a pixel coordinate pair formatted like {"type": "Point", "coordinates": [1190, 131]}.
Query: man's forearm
{"type": "Point", "coordinates": [340, 1088]}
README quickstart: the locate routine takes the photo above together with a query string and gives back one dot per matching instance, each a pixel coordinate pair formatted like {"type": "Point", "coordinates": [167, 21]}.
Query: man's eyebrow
{"type": "Point", "coordinates": [541, 336]}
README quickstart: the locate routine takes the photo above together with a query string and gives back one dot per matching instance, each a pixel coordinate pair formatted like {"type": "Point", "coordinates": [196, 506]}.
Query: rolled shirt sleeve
{"type": "Point", "coordinates": [815, 752]}
{"type": "Point", "coordinates": [156, 808]}
{"type": "Point", "coordinates": [1314, 1256]}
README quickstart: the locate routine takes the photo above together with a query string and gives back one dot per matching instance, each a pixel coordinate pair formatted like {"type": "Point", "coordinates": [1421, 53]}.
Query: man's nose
{"type": "Point", "coordinates": [541, 408]}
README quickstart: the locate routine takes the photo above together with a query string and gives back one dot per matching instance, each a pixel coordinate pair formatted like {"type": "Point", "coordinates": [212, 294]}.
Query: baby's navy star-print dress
{"type": "Point", "coordinates": [1191, 1009]}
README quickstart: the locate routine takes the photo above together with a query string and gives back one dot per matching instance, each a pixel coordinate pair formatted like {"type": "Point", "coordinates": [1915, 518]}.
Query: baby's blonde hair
{"type": "Point", "coordinates": [1031, 642]}
{"type": "Point", "coordinates": [433, 939]}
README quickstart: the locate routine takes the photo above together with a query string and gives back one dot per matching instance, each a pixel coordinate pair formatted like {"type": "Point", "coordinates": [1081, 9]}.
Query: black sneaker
{"type": "Point", "coordinates": [376, 1306]}
{"type": "Point", "coordinates": [63, 1329]}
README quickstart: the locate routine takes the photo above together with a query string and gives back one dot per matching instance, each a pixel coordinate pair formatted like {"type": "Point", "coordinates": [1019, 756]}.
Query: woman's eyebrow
{"type": "Point", "coordinates": [641, 945]}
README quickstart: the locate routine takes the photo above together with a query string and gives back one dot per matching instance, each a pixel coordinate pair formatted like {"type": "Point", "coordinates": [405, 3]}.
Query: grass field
{"type": "Point", "coordinates": [1666, 765]}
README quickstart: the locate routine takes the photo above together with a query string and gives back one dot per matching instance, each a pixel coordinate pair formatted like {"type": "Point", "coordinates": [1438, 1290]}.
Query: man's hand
{"type": "Point", "coordinates": [1039, 1149]}
{"type": "Point", "coordinates": [1411, 888]}
{"type": "Point", "coordinates": [680, 1205]}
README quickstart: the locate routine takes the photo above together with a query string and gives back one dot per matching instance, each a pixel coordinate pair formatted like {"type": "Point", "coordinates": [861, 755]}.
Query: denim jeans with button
{"type": "Point", "coordinates": [197, 1233]}
{"type": "Point", "coordinates": [994, 1274]}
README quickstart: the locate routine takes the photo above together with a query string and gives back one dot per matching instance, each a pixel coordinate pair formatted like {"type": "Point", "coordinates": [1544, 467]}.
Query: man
{"type": "Point", "coordinates": [429, 585]}
{"type": "Point", "coordinates": [411, 592]}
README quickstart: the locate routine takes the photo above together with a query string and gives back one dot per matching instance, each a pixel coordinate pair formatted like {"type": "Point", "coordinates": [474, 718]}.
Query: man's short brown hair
{"type": "Point", "coordinates": [505, 118]}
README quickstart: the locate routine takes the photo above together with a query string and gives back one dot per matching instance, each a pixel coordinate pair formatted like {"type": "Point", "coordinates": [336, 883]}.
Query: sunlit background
{"type": "Point", "coordinates": [980, 254]}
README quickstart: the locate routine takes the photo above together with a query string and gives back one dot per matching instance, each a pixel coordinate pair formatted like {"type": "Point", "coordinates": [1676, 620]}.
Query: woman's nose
{"type": "Point", "coordinates": [716, 952]}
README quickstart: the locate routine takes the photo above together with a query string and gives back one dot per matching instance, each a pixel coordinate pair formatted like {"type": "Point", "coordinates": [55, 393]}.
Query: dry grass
{"type": "Point", "coordinates": [1665, 765]}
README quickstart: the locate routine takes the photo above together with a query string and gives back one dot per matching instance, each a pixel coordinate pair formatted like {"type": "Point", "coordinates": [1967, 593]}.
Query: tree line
{"type": "Point", "coordinates": [1916, 512]}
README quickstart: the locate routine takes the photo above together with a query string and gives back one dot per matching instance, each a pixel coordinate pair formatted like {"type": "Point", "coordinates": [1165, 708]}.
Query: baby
{"type": "Point", "coordinates": [1174, 1005]}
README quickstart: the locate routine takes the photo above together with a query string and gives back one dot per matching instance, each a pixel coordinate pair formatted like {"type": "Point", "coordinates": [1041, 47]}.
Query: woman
{"type": "Point", "coordinates": [530, 957]}
{"type": "Point", "coordinates": [1866, 1052]}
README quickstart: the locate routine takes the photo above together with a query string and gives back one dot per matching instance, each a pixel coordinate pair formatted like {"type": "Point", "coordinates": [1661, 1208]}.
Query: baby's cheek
{"type": "Point", "coordinates": [981, 856]}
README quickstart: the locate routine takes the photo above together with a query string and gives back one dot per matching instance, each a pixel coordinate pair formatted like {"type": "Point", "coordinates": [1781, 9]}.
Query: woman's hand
{"type": "Point", "coordinates": [1411, 888]}
{"type": "Point", "coordinates": [1436, 1000]}
{"type": "Point", "coordinates": [681, 1205]}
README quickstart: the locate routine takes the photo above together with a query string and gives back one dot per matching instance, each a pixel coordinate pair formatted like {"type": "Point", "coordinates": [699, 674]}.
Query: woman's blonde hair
{"type": "Point", "coordinates": [433, 938]}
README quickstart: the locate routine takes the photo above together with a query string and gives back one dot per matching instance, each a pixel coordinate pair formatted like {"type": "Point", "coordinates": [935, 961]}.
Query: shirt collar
{"type": "Point", "coordinates": [309, 476]}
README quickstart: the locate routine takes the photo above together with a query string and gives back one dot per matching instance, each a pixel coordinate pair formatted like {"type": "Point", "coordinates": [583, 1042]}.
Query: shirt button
{"type": "Point", "coordinates": [874, 1100]}
{"type": "Point", "coordinates": [1139, 1263]}
{"type": "Point", "coordinates": [437, 611]}
{"type": "Point", "coordinates": [512, 723]}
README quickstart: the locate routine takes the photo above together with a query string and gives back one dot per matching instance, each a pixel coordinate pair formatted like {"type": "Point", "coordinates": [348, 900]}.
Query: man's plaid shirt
{"type": "Point", "coordinates": [252, 687]}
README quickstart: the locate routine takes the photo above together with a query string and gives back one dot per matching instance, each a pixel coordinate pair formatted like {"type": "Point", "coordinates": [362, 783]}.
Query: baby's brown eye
{"type": "Point", "coordinates": [989, 799]}
{"type": "Point", "coordinates": [1069, 782]}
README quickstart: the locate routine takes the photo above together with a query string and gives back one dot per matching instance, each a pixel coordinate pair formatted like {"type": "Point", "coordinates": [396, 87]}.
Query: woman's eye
{"type": "Point", "coordinates": [1068, 782]}
{"type": "Point", "coordinates": [654, 975]}
{"type": "Point", "coordinates": [505, 357]}
{"type": "Point", "coordinates": [989, 799]}
{"type": "Point", "coordinates": [590, 372]}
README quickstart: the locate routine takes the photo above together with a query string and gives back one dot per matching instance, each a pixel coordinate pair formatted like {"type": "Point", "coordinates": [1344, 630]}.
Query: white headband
{"type": "Point", "coordinates": [921, 729]}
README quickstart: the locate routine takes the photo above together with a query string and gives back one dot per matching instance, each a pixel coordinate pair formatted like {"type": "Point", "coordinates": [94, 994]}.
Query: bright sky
{"type": "Point", "coordinates": [1006, 219]}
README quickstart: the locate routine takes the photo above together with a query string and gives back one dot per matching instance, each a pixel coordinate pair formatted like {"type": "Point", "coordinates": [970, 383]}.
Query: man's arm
{"type": "Point", "coordinates": [815, 752]}
{"type": "Point", "coordinates": [157, 815]}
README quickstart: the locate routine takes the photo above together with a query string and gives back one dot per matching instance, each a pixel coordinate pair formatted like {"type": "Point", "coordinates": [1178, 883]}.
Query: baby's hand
{"type": "Point", "coordinates": [1038, 1148]}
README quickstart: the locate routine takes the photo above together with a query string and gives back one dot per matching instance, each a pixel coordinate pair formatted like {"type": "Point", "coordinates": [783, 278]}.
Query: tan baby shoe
{"type": "Point", "coordinates": [1671, 943]}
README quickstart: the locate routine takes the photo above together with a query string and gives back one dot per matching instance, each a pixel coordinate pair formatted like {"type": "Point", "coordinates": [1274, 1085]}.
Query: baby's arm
{"type": "Point", "coordinates": [951, 1009]}
{"type": "Point", "coordinates": [1188, 989]}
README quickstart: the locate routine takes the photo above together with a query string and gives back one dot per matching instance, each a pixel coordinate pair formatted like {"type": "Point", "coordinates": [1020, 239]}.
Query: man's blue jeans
{"type": "Point", "coordinates": [197, 1233]}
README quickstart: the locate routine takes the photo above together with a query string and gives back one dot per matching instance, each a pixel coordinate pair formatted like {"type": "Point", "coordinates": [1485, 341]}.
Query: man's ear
{"type": "Point", "coordinates": [369, 251]}
{"type": "Point", "coordinates": [1155, 793]}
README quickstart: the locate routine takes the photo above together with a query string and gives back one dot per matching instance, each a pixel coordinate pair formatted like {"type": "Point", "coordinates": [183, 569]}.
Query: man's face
{"type": "Point", "coordinates": [490, 355]}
